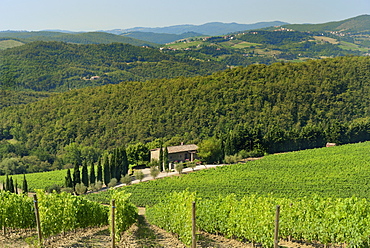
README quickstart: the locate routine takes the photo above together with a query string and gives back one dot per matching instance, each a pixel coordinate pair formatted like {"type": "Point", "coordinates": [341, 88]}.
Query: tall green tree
{"type": "Point", "coordinates": [16, 186]}
{"type": "Point", "coordinates": [11, 185]}
{"type": "Point", "coordinates": [210, 150]}
{"type": "Point", "coordinates": [161, 158]}
{"type": "Point", "coordinates": [92, 173]}
{"type": "Point", "coordinates": [85, 174]}
{"type": "Point", "coordinates": [106, 170]}
{"type": "Point", "coordinates": [68, 180]}
{"type": "Point", "coordinates": [7, 183]}
{"type": "Point", "coordinates": [99, 173]}
{"type": "Point", "coordinates": [113, 164]}
{"type": "Point", "coordinates": [165, 158]}
{"type": "Point", "coordinates": [76, 175]}
{"type": "Point", "coordinates": [124, 164]}
{"type": "Point", "coordinates": [25, 185]}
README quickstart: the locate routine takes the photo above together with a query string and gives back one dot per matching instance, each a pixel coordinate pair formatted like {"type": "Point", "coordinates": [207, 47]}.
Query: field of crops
{"type": "Point", "coordinates": [60, 213]}
{"type": "Point", "coordinates": [40, 180]}
{"type": "Point", "coordinates": [341, 171]}
{"type": "Point", "coordinates": [324, 220]}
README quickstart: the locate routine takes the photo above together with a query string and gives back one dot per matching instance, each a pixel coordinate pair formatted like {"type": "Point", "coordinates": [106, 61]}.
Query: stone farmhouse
{"type": "Point", "coordinates": [177, 153]}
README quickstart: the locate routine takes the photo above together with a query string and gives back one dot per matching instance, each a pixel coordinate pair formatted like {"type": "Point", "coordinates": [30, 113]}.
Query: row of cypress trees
{"type": "Point", "coordinates": [11, 186]}
{"type": "Point", "coordinates": [110, 165]}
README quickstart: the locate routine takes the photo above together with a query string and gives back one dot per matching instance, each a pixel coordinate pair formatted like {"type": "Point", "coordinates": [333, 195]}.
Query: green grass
{"type": "Point", "coordinates": [183, 45]}
{"type": "Point", "coordinates": [244, 44]}
{"type": "Point", "coordinates": [40, 180]}
{"type": "Point", "coordinates": [350, 46]}
{"type": "Point", "coordinates": [4, 44]}
{"type": "Point", "coordinates": [342, 171]}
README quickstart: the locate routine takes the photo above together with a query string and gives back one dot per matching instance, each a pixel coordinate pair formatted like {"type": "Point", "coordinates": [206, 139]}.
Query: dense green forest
{"type": "Point", "coordinates": [11, 97]}
{"type": "Point", "coordinates": [260, 108]}
{"type": "Point", "coordinates": [58, 66]}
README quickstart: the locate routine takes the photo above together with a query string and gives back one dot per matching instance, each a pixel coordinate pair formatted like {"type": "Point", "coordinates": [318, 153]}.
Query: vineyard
{"type": "Point", "coordinates": [323, 195]}
{"type": "Point", "coordinates": [316, 220]}
{"type": "Point", "coordinates": [61, 213]}
{"type": "Point", "coordinates": [338, 172]}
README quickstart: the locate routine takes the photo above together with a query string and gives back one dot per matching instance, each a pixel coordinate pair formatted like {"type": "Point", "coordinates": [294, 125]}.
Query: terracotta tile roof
{"type": "Point", "coordinates": [181, 148]}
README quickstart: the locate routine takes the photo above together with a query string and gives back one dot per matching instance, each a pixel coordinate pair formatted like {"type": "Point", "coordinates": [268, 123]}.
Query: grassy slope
{"type": "Point", "coordinates": [341, 171]}
{"type": "Point", "coordinates": [4, 44]}
{"type": "Point", "coordinates": [330, 172]}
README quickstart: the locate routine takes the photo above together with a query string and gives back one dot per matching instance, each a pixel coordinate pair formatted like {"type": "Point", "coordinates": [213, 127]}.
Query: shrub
{"type": "Point", "coordinates": [139, 175]}
{"type": "Point", "coordinates": [80, 188]}
{"type": "Point", "coordinates": [126, 179]}
{"type": "Point", "coordinates": [179, 167]}
{"type": "Point", "coordinates": [154, 172]}
{"type": "Point", "coordinates": [55, 187]}
{"type": "Point", "coordinates": [112, 183]}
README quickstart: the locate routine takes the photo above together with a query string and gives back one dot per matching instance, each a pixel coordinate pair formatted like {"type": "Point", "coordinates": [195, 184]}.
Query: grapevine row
{"type": "Point", "coordinates": [326, 220]}
{"type": "Point", "coordinates": [60, 213]}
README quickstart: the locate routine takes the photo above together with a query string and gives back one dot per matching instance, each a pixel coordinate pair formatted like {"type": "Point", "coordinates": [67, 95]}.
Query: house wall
{"type": "Point", "coordinates": [154, 155]}
{"type": "Point", "coordinates": [181, 156]}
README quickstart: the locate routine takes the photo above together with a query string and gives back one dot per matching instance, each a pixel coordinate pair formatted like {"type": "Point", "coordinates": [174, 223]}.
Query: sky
{"type": "Point", "coordinates": [93, 15]}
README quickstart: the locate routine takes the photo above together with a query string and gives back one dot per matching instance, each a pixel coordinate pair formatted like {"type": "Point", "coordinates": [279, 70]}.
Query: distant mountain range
{"type": "Point", "coordinates": [358, 24]}
{"type": "Point", "coordinates": [211, 28]}
{"type": "Point", "coordinates": [152, 36]}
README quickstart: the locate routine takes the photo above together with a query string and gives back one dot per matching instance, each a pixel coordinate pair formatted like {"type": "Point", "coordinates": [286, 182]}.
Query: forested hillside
{"type": "Point", "coordinates": [58, 66]}
{"type": "Point", "coordinates": [281, 107]}
{"type": "Point", "coordinates": [356, 24]}
{"type": "Point", "coordinates": [77, 38]}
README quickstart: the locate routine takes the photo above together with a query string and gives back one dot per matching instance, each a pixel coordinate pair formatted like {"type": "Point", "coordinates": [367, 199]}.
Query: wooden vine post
{"type": "Point", "coordinates": [276, 236]}
{"type": "Point", "coordinates": [113, 224]}
{"type": "Point", "coordinates": [37, 214]}
{"type": "Point", "coordinates": [194, 237]}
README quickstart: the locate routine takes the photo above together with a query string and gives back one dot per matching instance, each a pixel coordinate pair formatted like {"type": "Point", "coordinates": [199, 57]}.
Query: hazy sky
{"type": "Point", "coordinates": [89, 15]}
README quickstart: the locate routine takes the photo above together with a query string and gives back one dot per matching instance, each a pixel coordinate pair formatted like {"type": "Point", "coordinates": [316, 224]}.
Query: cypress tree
{"type": "Point", "coordinates": [106, 170]}
{"type": "Point", "coordinates": [7, 183]}
{"type": "Point", "coordinates": [68, 179]}
{"type": "Point", "coordinates": [99, 176]}
{"type": "Point", "coordinates": [165, 158]}
{"type": "Point", "coordinates": [76, 175]}
{"type": "Point", "coordinates": [92, 173]}
{"type": "Point", "coordinates": [11, 185]}
{"type": "Point", "coordinates": [124, 162]}
{"type": "Point", "coordinates": [161, 158]}
{"type": "Point", "coordinates": [85, 174]}
{"type": "Point", "coordinates": [16, 187]}
{"type": "Point", "coordinates": [113, 164]}
{"type": "Point", "coordinates": [119, 164]}
{"type": "Point", "coordinates": [24, 185]}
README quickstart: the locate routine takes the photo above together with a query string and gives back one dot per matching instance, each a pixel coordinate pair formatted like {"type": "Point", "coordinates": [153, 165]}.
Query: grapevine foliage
{"type": "Point", "coordinates": [16, 211]}
{"type": "Point", "coordinates": [64, 212]}
{"type": "Point", "coordinates": [174, 214]}
{"type": "Point", "coordinates": [125, 212]}
{"type": "Point", "coordinates": [252, 218]}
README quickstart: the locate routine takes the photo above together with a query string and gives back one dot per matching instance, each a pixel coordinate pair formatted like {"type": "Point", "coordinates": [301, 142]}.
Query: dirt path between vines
{"type": "Point", "coordinates": [140, 235]}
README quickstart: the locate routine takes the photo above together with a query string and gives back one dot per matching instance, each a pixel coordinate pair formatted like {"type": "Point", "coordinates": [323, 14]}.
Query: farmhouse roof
{"type": "Point", "coordinates": [181, 148]}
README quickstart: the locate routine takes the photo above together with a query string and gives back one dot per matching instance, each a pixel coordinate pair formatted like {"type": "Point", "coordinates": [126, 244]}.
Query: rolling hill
{"type": "Point", "coordinates": [281, 107]}
{"type": "Point", "coordinates": [160, 38]}
{"type": "Point", "coordinates": [77, 38]}
{"type": "Point", "coordinates": [212, 28]}
{"type": "Point", "coordinates": [359, 24]}
{"type": "Point", "coordinates": [59, 66]}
